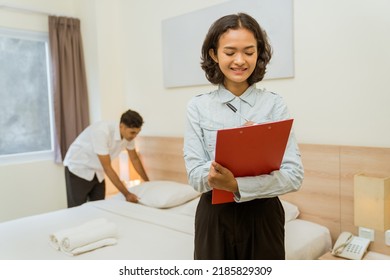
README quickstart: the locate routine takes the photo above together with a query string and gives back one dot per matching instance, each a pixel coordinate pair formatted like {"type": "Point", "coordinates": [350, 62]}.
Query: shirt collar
{"type": "Point", "coordinates": [248, 96]}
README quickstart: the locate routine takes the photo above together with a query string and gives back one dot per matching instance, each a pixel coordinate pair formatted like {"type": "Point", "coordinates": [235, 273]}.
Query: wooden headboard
{"type": "Point", "coordinates": [326, 196]}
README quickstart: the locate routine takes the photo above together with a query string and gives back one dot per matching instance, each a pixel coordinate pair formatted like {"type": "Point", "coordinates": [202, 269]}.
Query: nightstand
{"type": "Point", "coordinates": [368, 256]}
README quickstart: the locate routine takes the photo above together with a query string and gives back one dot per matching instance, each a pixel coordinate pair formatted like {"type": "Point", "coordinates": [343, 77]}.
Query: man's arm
{"type": "Point", "coordinates": [137, 163]}
{"type": "Point", "coordinates": [105, 160]}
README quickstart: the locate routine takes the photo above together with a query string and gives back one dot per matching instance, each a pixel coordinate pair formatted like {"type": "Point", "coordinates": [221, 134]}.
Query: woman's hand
{"type": "Point", "coordinates": [222, 178]}
{"type": "Point", "coordinates": [248, 123]}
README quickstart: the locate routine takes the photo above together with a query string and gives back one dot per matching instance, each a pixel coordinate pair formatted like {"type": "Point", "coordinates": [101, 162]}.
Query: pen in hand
{"type": "Point", "coordinates": [234, 109]}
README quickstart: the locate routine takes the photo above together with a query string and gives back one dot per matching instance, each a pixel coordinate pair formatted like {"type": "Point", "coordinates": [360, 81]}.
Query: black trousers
{"type": "Point", "coordinates": [252, 230]}
{"type": "Point", "coordinates": [79, 190]}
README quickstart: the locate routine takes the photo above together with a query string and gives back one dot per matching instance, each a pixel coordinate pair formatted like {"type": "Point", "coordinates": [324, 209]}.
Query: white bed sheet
{"type": "Point", "coordinates": [145, 233]}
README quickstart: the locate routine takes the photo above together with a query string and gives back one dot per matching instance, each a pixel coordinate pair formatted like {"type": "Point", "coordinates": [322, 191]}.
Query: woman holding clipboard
{"type": "Point", "coordinates": [235, 54]}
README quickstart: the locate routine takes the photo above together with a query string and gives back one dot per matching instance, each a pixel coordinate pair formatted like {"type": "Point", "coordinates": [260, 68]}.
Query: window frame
{"type": "Point", "coordinates": [35, 155]}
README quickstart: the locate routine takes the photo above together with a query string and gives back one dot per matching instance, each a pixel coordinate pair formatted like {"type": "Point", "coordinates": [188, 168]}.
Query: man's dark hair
{"type": "Point", "coordinates": [132, 119]}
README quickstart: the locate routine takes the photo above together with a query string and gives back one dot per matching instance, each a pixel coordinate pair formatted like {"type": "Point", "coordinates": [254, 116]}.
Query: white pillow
{"type": "Point", "coordinates": [163, 194]}
{"type": "Point", "coordinates": [167, 194]}
{"type": "Point", "coordinates": [291, 211]}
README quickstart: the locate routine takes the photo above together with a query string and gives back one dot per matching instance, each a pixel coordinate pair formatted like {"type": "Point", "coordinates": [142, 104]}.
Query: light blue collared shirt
{"type": "Point", "coordinates": [207, 113]}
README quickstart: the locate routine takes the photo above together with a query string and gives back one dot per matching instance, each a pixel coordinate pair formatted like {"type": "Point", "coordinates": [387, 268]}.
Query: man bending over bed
{"type": "Point", "coordinates": [90, 155]}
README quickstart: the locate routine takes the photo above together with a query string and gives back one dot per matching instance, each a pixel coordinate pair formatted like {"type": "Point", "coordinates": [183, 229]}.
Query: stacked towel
{"type": "Point", "coordinates": [85, 237]}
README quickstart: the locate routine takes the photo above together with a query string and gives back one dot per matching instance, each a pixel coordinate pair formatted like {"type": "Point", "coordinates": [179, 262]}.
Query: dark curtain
{"type": "Point", "coordinates": [69, 82]}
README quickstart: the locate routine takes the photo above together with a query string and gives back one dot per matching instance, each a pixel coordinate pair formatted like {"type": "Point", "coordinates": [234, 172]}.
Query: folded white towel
{"type": "Point", "coordinates": [57, 237]}
{"type": "Point", "coordinates": [92, 246]}
{"type": "Point", "coordinates": [91, 235]}
{"type": "Point", "coordinates": [86, 237]}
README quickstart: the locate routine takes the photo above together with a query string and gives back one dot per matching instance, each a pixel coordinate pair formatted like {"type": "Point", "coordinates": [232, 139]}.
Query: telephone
{"type": "Point", "coordinates": [350, 247]}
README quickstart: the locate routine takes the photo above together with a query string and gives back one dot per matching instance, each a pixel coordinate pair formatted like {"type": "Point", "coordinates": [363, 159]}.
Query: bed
{"type": "Point", "coordinates": [160, 227]}
{"type": "Point", "coordinates": [324, 204]}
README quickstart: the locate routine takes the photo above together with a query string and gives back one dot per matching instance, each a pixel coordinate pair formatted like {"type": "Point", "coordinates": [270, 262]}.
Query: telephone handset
{"type": "Point", "coordinates": [350, 247]}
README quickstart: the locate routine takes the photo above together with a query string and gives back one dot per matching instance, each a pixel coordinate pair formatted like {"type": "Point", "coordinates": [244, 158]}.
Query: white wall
{"type": "Point", "coordinates": [102, 31]}
{"type": "Point", "coordinates": [339, 95]}
{"type": "Point", "coordinates": [163, 109]}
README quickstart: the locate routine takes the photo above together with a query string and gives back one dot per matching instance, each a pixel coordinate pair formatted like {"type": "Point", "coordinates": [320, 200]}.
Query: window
{"type": "Point", "coordinates": [26, 117]}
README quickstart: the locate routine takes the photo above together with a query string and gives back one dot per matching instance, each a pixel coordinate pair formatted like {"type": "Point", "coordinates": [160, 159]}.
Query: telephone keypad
{"type": "Point", "coordinates": [353, 248]}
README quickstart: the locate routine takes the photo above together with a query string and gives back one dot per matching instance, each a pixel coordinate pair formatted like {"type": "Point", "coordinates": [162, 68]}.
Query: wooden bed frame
{"type": "Point", "coordinates": [326, 196]}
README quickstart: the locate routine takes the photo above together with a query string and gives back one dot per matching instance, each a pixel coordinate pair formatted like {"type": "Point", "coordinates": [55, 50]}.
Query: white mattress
{"type": "Point", "coordinates": [144, 233]}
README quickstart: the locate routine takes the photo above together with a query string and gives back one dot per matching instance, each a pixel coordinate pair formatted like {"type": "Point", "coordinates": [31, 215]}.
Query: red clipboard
{"type": "Point", "coordinates": [250, 151]}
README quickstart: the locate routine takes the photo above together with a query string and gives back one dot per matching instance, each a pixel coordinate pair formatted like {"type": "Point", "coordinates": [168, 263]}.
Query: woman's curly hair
{"type": "Point", "coordinates": [219, 27]}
